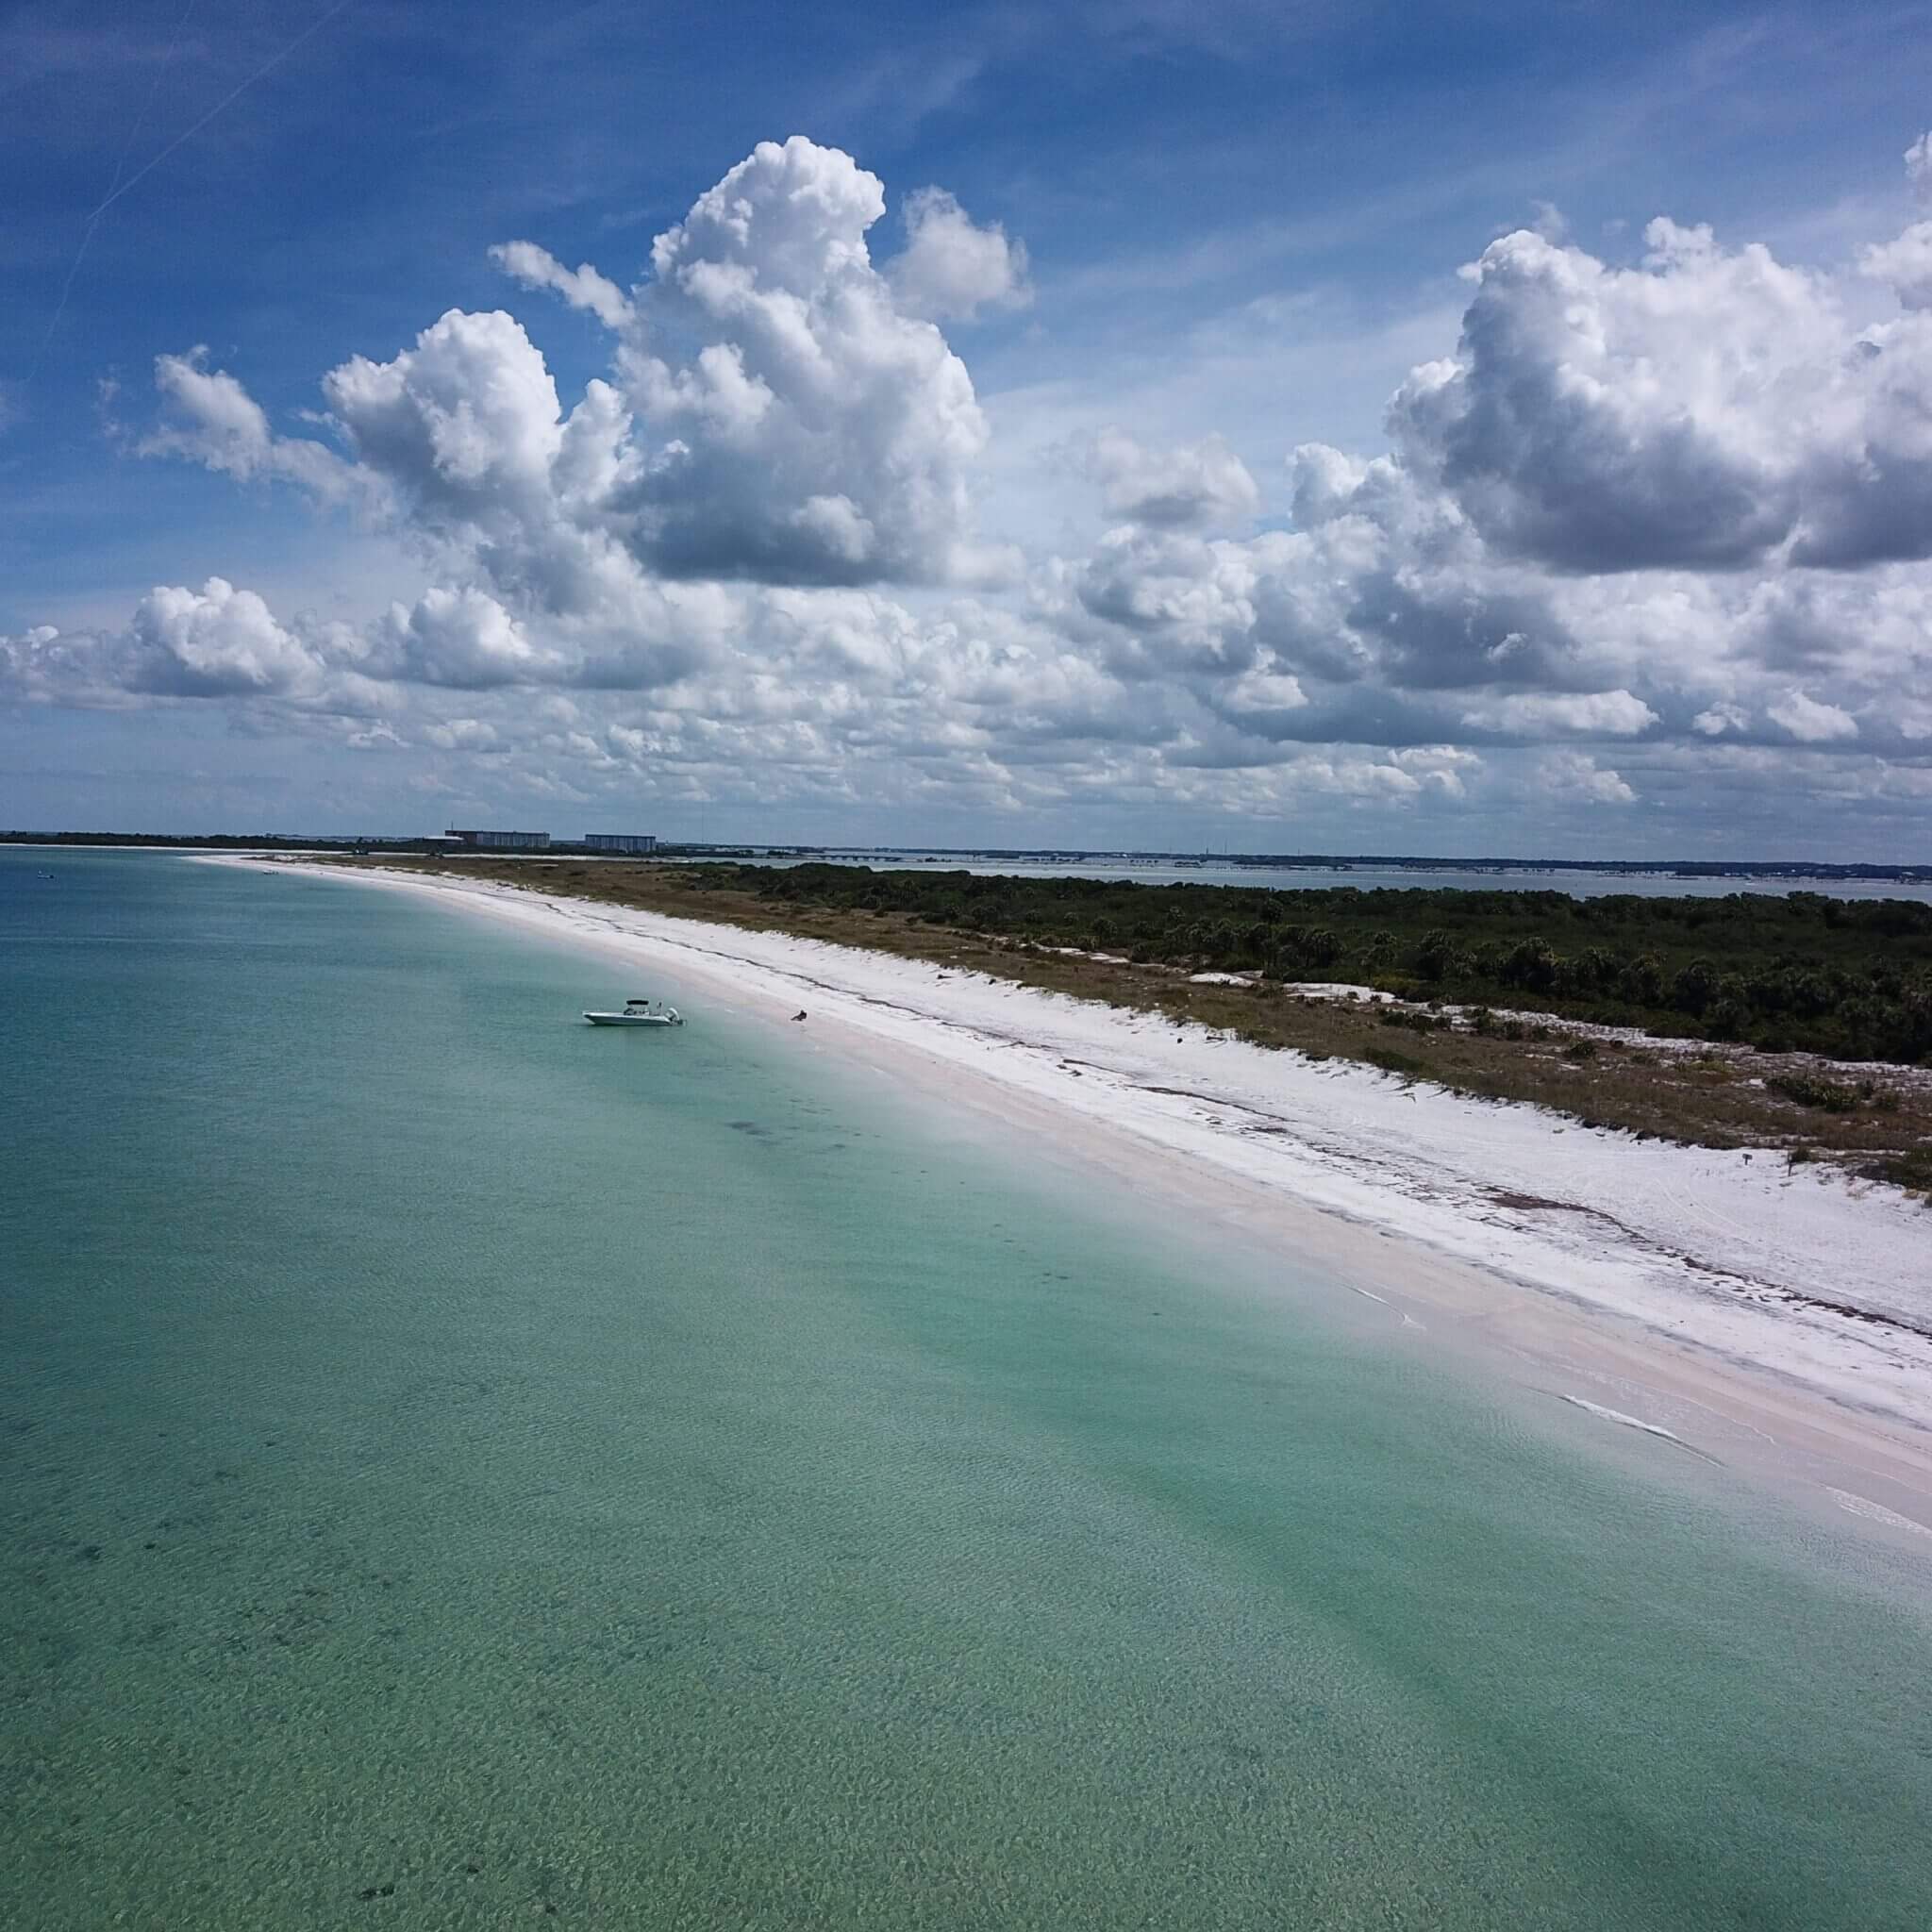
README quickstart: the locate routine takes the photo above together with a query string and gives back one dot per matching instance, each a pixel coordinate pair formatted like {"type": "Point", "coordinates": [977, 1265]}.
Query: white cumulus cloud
{"type": "Point", "coordinates": [475, 735]}
{"type": "Point", "coordinates": [1571, 774]}
{"type": "Point", "coordinates": [1592, 714]}
{"type": "Point", "coordinates": [462, 637]}
{"type": "Point", "coordinates": [581, 287]}
{"type": "Point", "coordinates": [217, 641]}
{"type": "Point", "coordinates": [818, 433]}
{"type": "Point", "coordinates": [1196, 483]}
{"type": "Point", "coordinates": [211, 419]}
{"type": "Point", "coordinates": [1905, 264]}
{"type": "Point", "coordinates": [1718, 719]}
{"type": "Point", "coordinates": [1686, 502]}
{"type": "Point", "coordinates": [1809, 721]}
{"type": "Point", "coordinates": [1699, 411]}
{"type": "Point", "coordinates": [1919, 166]}
{"type": "Point", "coordinates": [952, 267]}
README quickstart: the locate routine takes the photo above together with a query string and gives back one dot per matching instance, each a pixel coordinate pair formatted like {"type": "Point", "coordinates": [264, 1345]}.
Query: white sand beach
{"type": "Point", "coordinates": [1775, 1319]}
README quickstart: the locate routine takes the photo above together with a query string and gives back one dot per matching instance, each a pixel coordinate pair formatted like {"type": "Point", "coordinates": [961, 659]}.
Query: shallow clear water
{"type": "Point", "coordinates": [666, 1478]}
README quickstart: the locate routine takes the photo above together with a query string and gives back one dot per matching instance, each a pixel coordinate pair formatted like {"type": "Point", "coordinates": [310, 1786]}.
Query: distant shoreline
{"type": "Point", "coordinates": [1733, 1303]}
{"type": "Point", "coordinates": [1798, 872]}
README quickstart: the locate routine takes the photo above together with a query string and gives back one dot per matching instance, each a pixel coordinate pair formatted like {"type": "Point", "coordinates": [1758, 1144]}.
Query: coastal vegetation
{"type": "Point", "coordinates": [1693, 1019]}
{"type": "Point", "coordinates": [1799, 972]}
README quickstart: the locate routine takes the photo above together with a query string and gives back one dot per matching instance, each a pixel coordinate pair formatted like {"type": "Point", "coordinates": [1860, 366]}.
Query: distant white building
{"type": "Point", "coordinates": [501, 842]}
{"type": "Point", "coordinates": [621, 841]}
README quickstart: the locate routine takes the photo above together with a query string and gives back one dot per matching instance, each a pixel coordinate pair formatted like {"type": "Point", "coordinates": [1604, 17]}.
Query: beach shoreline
{"type": "Point", "coordinates": [1774, 1319]}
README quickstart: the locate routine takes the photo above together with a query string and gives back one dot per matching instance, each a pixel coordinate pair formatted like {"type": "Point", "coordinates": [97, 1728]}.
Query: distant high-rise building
{"type": "Point", "coordinates": [502, 841]}
{"type": "Point", "coordinates": [621, 841]}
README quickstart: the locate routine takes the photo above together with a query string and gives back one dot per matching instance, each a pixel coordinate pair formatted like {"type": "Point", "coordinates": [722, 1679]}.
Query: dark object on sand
{"type": "Point", "coordinates": [800, 1014]}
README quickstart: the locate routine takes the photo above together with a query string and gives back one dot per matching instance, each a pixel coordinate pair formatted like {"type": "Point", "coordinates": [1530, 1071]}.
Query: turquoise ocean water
{"type": "Point", "coordinates": [462, 1468]}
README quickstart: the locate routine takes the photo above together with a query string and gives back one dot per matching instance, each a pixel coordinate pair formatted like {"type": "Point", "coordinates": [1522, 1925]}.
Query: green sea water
{"type": "Point", "coordinates": [462, 1468]}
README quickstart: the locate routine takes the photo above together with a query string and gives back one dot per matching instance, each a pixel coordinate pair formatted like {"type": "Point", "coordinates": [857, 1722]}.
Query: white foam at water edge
{"type": "Point", "coordinates": [1874, 1512]}
{"type": "Point", "coordinates": [1368, 1297]}
{"type": "Point", "coordinates": [1629, 1422]}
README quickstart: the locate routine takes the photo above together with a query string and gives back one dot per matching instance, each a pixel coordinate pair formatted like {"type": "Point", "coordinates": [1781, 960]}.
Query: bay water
{"type": "Point", "coordinates": [1435, 876]}
{"type": "Point", "coordinates": [460, 1468]}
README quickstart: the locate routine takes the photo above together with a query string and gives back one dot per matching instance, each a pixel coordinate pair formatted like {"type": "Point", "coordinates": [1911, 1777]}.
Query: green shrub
{"type": "Point", "coordinates": [1392, 1063]}
{"type": "Point", "coordinates": [1399, 985]}
{"type": "Point", "coordinates": [1415, 1023]}
{"type": "Point", "coordinates": [1911, 1170]}
{"type": "Point", "coordinates": [1810, 1089]}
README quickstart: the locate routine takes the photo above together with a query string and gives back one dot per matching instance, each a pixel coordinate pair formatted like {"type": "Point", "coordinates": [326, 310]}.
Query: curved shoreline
{"type": "Point", "coordinates": [1759, 1315]}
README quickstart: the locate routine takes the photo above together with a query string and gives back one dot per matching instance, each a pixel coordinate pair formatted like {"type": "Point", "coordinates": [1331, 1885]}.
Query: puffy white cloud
{"type": "Point", "coordinates": [1698, 411]}
{"type": "Point", "coordinates": [462, 637]}
{"type": "Point", "coordinates": [1569, 774]}
{"type": "Point", "coordinates": [1718, 719]}
{"type": "Point", "coordinates": [1905, 263]}
{"type": "Point", "coordinates": [1919, 166]}
{"type": "Point", "coordinates": [467, 436]}
{"type": "Point", "coordinates": [1328, 483]}
{"type": "Point", "coordinates": [46, 665]}
{"type": "Point", "coordinates": [805, 430]}
{"type": "Point", "coordinates": [1869, 475]}
{"type": "Point", "coordinates": [466, 734]}
{"type": "Point", "coordinates": [211, 419]}
{"type": "Point", "coordinates": [743, 558]}
{"type": "Point", "coordinates": [951, 268]}
{"type": "Point", "coordinates": [217, 641]}
{"type": "Point", "coordinates": [1401, 778]}
{"type": "Point", "coordinates": [1175, 601]}
{"type": "Point", "coordinates": [1197, 483]}
{"type": "Point", "coordinates": [1450, 629]}
{"type": "Point", "coordinates": [1809, 721]}
{"type": "Point", "coordinates": [1442, 767]}
{"type": "Point", "coordinates": [216, 420]}
{"type": "Point", "coordinates": [818, 433]}
{"type": "Point", "coordinates": [1261, 693]}
{"type": "Point", "coordinates": [1592, 714]}
{"type": "Point", "coordinates": [1602, 419]}
{"type": "Point", "coordinates": [466, 424]}
{"type": "Point", "coordinates": [581, 287]}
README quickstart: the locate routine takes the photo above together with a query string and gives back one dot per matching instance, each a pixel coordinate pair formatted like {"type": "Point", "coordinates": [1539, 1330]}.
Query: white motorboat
{"type": "Point", "coordinates": [639, 1012]}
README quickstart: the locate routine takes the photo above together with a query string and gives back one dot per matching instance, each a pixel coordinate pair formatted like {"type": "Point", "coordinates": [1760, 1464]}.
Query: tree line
{"type": "Point", "coordinates": [1799, 972]}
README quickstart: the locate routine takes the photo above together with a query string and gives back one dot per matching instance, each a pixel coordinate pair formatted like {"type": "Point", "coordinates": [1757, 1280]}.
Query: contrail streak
{"type": "Point", "coordinates": [227, 101]}
{"type": "Point", "coordinates": [87, 234]}
{"type": "Point", "coordinates": [147, 107]}
{"type": "Point", "coordinates": [116, 188]}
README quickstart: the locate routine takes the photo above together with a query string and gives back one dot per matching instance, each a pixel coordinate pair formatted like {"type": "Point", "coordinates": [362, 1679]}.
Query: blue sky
{"type": "Point", "coordinates": [1643, 570]}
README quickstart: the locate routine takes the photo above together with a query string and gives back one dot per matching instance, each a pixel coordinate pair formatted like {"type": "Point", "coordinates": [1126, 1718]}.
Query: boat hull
{"type": "Point", "coordinates": [631, 1020]}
